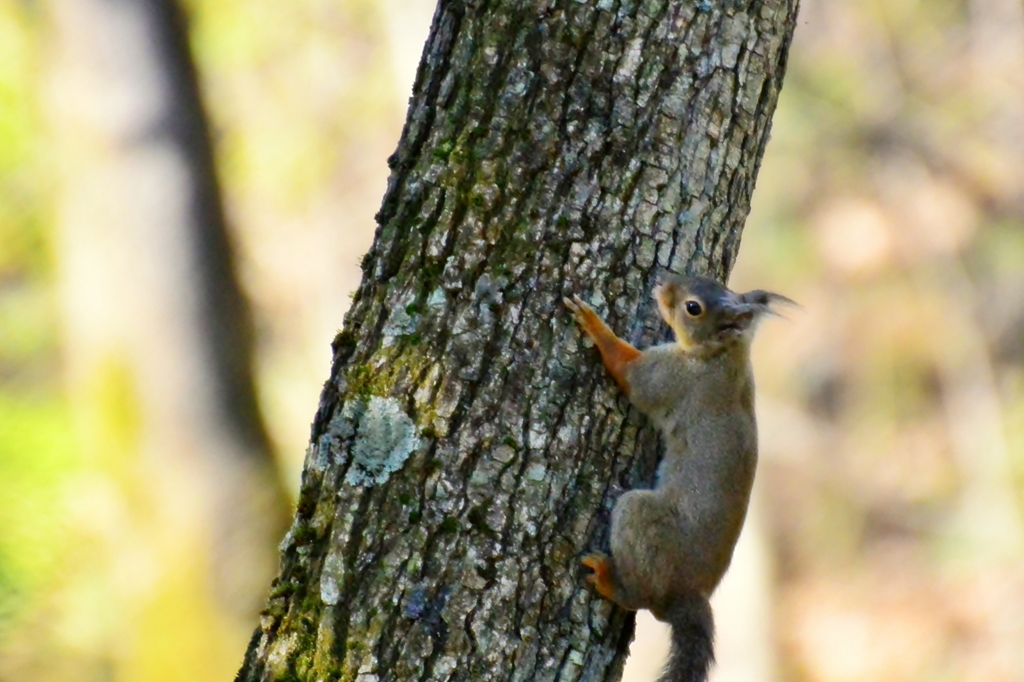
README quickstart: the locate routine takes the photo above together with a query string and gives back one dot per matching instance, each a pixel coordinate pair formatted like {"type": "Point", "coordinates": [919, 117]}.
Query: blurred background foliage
{"type": "Point", "coordinates": [890, 204]}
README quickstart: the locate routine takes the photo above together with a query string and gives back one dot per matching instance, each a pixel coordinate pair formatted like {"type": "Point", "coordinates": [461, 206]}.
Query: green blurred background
{"type": "Point", "coordinates": [886, 541]}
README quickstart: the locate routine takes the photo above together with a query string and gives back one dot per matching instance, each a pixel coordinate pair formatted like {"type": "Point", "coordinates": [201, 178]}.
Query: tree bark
{"type": "Point", "coordinates": [468, 447]}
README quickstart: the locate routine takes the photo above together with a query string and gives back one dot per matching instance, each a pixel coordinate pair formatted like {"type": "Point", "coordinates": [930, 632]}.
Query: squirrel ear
{"type": "Point", "coordinates": [667, 294]}
{"type": "Point", "coordinates": [766, 299]}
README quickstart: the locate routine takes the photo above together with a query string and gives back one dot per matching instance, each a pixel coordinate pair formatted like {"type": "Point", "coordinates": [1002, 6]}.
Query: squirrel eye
{"type": "Point", "coordinates": [693, 308]}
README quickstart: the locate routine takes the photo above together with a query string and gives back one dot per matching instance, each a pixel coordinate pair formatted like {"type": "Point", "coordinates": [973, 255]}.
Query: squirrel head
{"type": "Point", "coordinates": [705, 314]}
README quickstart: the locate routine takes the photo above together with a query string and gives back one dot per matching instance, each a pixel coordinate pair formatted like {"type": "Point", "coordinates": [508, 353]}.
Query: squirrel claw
{"type": "Point", "coordinates": [596, 561]}
{"type": "Point", "coordinates": [580, 310]}
{"type": "Point", "coordinates": [601, 578]}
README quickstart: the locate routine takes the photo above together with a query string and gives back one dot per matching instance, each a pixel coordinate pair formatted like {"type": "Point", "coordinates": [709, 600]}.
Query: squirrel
{"type": "Point", "coordinates": [671, 545]}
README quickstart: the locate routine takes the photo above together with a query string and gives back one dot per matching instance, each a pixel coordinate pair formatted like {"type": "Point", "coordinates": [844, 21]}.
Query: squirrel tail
{"type": "Point", "coordinates": [693, 634]}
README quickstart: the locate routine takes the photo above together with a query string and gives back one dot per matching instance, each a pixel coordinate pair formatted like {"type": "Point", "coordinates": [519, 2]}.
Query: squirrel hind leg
{"type": "Point", "coordinates": [605, 579]}
{"type": "Point", "coordinates": [654, 557]}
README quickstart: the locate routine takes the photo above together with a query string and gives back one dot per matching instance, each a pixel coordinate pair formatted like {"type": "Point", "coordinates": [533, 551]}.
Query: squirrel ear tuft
{"type": "Point", "coordinates": [767, 299]}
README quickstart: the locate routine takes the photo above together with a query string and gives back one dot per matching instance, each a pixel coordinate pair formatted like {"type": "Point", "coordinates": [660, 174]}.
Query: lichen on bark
{"type": "Point", "coordinates": [551, 147]}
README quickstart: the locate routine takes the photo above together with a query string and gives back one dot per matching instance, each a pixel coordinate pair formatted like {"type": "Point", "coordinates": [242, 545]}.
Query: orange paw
{"type": "Point", "coordinates": [584, 314]}
{"type": "Point", "coordinates": [601, 578]}
{"type": "Point", "coordinates": [616, 353]}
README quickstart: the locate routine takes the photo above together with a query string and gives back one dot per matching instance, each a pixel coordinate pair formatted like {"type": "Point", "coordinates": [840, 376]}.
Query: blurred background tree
{"type": "Point", "coordinates": [158, 349]}
{"type": "Point", "coordinates": [890, 204]}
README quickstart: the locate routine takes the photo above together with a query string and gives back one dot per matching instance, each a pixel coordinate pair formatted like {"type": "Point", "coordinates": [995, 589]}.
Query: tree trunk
{"type": "Point", "coordinates": [159, 347]}
{"type": "Point", "coordinates": [468, 446]}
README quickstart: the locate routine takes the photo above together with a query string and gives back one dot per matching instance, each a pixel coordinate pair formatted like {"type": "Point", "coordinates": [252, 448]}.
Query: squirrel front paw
{"type": "Point", "coordinates": [583, 313]}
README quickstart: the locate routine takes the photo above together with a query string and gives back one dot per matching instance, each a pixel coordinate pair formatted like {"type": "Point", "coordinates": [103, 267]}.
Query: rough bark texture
{"type": "Point", "coordinates": [468, 446]}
